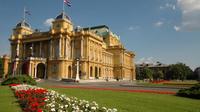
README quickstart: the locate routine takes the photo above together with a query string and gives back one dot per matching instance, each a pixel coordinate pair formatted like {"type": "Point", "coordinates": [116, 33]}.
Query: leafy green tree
{"type": "Point", "coordinates": [196, 74]}
{"type": "Point", "coordinates": [148, 73]}
{"type": "Point", "coordinates": [139, 75]}
{"type": "Point", "coordinates": [179, 71]}
{"type": "Point", "coordinates": [158, 75]}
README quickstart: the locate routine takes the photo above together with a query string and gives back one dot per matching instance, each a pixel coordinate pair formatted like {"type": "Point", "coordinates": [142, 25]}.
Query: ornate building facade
{"type": "Point", "coordinates": [65, 52]}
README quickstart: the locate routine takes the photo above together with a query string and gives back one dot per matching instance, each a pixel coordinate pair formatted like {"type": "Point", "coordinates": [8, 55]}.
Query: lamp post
{"type": "Point", "coordinates": [14, 68]}
{"type": "Point", "coordinates": [118, 75]}
{"type": "Point", "coordinates": [31, 48]}
{"type": "Point", "coordinates": [107, 74]}
{"type": "Point", "coordinates": [77, 70]}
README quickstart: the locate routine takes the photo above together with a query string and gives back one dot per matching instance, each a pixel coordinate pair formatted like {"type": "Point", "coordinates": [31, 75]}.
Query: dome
{"type": "Point", "coordinates": [23, 23]}
{"type": "Point", "coordinates": [62, 16]}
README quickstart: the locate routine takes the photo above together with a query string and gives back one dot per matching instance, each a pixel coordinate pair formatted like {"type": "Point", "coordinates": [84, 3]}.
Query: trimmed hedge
{"type": "Point", "coordinates": [20, 79]}
{"type": "Point", "coordinates": [193, 92]}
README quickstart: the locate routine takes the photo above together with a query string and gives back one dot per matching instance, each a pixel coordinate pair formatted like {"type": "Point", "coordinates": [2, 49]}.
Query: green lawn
{"type": "Point", "coordinates": [8, 103]}
{"type": "Point", "coordinates": [123, 101]}
{"type": "Point", "coordinates": [135, 102]}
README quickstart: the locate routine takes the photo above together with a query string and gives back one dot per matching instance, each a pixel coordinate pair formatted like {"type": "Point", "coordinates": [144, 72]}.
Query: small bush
{"type": "Point", "coordinates": [193, 92]}
{"type": "Point", "coordinates": [21, 79]}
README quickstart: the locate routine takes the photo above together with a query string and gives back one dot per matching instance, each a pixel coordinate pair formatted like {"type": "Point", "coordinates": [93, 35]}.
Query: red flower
{"type": "Point", "coordinates": [39, 110]}
{"type": "Point", "coordinates": [32, 100]}
{"type": "Point", "coordinates": [13, 85]}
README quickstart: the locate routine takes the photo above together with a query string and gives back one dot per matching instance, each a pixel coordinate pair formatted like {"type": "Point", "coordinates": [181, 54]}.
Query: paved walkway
{"type": "Point", "coordinates": [116, 89]}
{"type": "Point", "coordinates": [111, 85]}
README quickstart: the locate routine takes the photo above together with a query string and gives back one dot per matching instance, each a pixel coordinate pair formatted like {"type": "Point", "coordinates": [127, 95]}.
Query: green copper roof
{"type": "Point", "coordinates": [101, 30]}
{"type": "Point", "coordinates": [96, 27]}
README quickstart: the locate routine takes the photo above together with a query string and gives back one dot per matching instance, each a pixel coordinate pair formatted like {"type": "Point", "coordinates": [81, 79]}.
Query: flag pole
{"type": "Point", "coordinates": [63, 6]}
{"type": "Point", "coordinates": [24, 16]}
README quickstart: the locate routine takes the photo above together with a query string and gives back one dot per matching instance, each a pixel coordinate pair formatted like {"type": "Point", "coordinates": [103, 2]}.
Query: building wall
{"type": "Point", "coordinates": [57, 50]}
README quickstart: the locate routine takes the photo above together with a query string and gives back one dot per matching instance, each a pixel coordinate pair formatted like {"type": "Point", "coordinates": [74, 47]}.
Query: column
{"type": "Point", "coordinates": [45, 75]}
{"type": "Point", "coordinates": [17, 49]}
{"type": "Point", "coordinates": [32, 49]}
{"type": "Point", "coordinates": [51, 51]}
{"type": "Point", "coordinates": [123, 58]}
{"type": "Point", "coordinates": [72, 49]}
{"type": "Point", "coordinates": [82, 47]}
{"type": "Point", "coordinates": [98, 53]}
{"type": "Point", "coordinates": [35, 74]}
{"type": "Point", "coordinates": [59, 47]}
{"type": "Point", "coordinates": [62, 47]}
{"type": "Point", "coordinates": [24, 50]}
{"type": "Point", "coordinates": [65, 48]}
{"type": "Point", "coordinates": [77, 70]}
{"type": "Point", "coordinates": [94, 47]}
{"type": "Point", "coordinates": [30, 74]}
{"type": "Point", "coordinates": [40, 49]}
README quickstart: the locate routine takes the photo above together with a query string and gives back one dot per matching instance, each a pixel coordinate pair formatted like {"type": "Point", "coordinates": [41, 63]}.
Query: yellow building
{"type": "Point", "coordinates": [65, 52]}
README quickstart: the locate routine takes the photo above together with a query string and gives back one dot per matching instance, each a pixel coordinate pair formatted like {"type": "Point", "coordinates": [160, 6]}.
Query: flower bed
{"type": "Point", "coordinates": [35, 99]}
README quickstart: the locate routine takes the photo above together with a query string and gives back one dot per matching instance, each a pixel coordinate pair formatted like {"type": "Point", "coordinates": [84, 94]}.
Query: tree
{"type": "Point", "coordinates": [196, 74]}
{"type": "Point", "coordinates": [179, 71]}
{"type": "Point", "coordinates": [148, 73]}
{"type": "Point", "coordinates": [158, 75]}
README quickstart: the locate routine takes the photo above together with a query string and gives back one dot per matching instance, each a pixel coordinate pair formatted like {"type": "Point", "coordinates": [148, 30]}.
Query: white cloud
{"type": "Point", "coordinates": [188, 6]}
{"type": "Point", "coordinates": [162, 7]}
{"type": "Point", "coordinates": [168, 6]}
{"type": "Point", "coordinates": [159, 24]}
{"type": "Point", "coordinates": [132, 28]}
{"type": "Point", "coordinates": [190, 14]}
{"type": "Point", "coordinates": [48, 22]}
{"type": "Point", "coordinates": [177, 28]}
{"type": "Point", "coordinates": [174, 7]}
{"type": "Point", "coordinates": [149, 60]}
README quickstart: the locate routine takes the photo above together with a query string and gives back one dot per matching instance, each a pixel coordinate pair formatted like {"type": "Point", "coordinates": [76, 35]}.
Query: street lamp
{"type": "Point", "coordinates": [107, 74]}
{"type": "Point", "coordinates": [118, 75]}
{"type": "Point", "coordinates": [31, 48]}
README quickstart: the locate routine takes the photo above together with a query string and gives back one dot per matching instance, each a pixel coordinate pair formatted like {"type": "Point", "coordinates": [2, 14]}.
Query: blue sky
{"type": "Point", "coordinates": [156, 30]}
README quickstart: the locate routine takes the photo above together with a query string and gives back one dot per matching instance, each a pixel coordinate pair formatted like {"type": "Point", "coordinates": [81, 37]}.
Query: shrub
{"type": "Point", "coordinates": [193, 92]}
{"type": "Point", "coordinates": [20, 79]}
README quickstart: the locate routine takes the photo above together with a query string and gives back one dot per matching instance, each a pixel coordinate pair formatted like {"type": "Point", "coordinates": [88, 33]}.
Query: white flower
{"type": "Point", "coordinates": [93, 108]}
{"type": "Point", "coordinates": [52, 105]}
{"type": "Point", "coordinates": [61, 106]}
{"type": "Point", "coordinates": [87, 105]}
{"type": "Point", "coordinates": [61, 103]}
{"type": "Point", "coordinates": [53, 109]}
{"type": "Point", "coordinates": [104, 108]}
{"type": "Point", "coordinates": [114, 109]}
{"type": "Point", "coordinates": [46, 100]}
{"type": "Point", "coordinates": [60, 111]}
{"type": "Point", "coordinates": [66, 106]}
